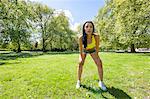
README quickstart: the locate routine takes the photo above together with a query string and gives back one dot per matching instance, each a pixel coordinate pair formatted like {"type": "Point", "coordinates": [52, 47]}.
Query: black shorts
{"type": "Point", "coordinates": [89, 51]}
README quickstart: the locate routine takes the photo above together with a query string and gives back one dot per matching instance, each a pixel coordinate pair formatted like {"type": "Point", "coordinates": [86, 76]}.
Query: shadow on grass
{"type": "Point", "coordinates": [117, 93]}
{"type": "Point", "coordinates": [6, 63]}
{"type": "Point", "coordinates": [93, 90]}
{"type": "Point", "coordinates": [13, 55]}
{"type": "Point", "coordinates": [27, 54]}
{"type": "Point", "coordinates": [2, 63]}
{"type": "Point", "coordinates": [146, 54]}
{"type": "Point", "coordinates": [60, 53]}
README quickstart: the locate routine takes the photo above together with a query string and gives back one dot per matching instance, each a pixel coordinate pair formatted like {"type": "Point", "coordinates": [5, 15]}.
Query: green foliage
{"type": "Point", "coordinates": [124, 23]}
{"type": "Point", "coordinates": [14, 18]}
{"type": "Point", "coordinates": [42, 15]}
{"type": "Point", "coordinates": [21, 20]}
{"type": "Point", "coordinates": [61, 37]}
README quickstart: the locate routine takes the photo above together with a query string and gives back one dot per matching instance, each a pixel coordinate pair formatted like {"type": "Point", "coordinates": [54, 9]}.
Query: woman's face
{"type": "Point", "coordinates": [88, 28]}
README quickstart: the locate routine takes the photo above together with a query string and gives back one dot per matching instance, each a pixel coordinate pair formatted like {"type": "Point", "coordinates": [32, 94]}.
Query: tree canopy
{"type": "Point", "coordinates": [124, 24]}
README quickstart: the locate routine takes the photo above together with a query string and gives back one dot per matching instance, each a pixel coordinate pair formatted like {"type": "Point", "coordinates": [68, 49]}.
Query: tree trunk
{"type": "Point", "coordinates": [19, 49]}
{"type": "Point", "coordinates": [43, 45]}
{"type": "Point", "coordinates": [132, 48]}
{"type": "Point", "coordinates": [18, 41]}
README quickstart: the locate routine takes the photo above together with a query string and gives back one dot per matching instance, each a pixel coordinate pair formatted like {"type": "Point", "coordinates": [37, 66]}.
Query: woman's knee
{"type": "Point", "coordinates": [81, 63]}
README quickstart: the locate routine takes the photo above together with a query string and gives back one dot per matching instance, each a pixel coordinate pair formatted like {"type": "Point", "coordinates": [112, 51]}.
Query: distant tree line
{"type": "Point", "coordinates": [26, 25]}
{"type": "Point", "coordinates": [21, 20]}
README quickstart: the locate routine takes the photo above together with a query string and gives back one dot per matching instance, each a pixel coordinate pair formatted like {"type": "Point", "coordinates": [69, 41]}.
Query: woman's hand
{"type": "Point", "coordinates": [96, 52]}
{"type": "Point", "coordinates": [81, 54]}
{"type": "Point", "coordinates": [82, 57]}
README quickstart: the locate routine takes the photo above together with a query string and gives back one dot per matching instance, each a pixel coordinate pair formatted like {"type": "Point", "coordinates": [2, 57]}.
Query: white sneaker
{"type": "Point", "coordinates": [102, 86]}
{"type": "Point", "coordinates": [78, 84]}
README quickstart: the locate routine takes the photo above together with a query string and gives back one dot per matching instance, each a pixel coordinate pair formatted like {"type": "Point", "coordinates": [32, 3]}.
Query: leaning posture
{"type": "Point", "coordinates": [89, 44]}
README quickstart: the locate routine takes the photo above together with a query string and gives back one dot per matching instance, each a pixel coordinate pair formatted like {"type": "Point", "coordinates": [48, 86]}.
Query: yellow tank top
{"type": "Point", "coordinates": [92, 44]}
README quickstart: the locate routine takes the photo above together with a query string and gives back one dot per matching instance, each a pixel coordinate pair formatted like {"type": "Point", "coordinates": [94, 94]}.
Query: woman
{"type": "Point", "coordinates": [89, 43]}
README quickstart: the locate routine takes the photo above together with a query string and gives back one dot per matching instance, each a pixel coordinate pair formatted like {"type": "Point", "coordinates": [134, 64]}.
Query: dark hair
{"type": "Point", "coordinates": [84, 39]}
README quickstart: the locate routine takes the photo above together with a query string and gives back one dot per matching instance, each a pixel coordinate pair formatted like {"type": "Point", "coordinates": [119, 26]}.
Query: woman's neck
{"type": "Point", "coordinates": [89, 36]}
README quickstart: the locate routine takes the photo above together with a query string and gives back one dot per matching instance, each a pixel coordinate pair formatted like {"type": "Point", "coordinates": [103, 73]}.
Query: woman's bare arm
{"type": "Point", "coordinates": [97, 39]}
{"type": "Point", "coordinates": [80, 44]}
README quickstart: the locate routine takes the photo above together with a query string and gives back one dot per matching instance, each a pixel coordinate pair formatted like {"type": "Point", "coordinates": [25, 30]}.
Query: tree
{"type": "Point", "coordinates": [43, 14]}
{"type": "Point", "coordinates": [125, 23]}
{"type": "Point", "coordinates": [60, 36]}
{"type": "Point", "coordinates": [14, 16]}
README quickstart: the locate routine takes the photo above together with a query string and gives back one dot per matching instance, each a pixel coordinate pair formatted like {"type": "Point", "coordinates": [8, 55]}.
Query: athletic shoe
{"type": "Point", "coordinates": [102, 86]}
{"type": "Point", "coordinates": [78, 84]}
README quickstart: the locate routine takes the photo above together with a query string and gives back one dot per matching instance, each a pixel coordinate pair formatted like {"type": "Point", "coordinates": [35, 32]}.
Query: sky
{"type": "Point", "coordinates": [78, 11]}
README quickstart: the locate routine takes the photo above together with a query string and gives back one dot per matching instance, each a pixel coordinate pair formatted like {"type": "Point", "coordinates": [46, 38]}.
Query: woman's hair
{"type": "Point", "coordinates": [84, 39]}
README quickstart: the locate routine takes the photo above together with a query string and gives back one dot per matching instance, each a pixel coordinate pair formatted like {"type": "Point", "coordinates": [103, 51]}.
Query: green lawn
{"type": "Point", "coordinates": [52, 75]}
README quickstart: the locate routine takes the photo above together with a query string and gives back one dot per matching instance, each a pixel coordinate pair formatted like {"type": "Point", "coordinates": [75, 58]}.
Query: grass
{"type": "Point", "coordinates": [53, 75]}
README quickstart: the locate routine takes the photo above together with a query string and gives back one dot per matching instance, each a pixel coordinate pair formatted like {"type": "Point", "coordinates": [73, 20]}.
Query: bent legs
{"type": "Point", "coordinates": [80, 65]}
{"type": "Point", "coordinates": [98, 62]}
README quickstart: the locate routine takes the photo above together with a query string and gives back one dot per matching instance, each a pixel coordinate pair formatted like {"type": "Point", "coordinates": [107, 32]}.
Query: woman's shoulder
{"type": "Point", "coordinates": [80, 36]}
{"type": "Point", "coordinates": [95, 34]}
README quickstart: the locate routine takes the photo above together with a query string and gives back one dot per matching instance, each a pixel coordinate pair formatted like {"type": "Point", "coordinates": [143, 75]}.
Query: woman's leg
{"type": "Point", "coordinates": [80, 68]}
{"type": "Point", "coordinates": [98, 62]}
{"type": "Point", "coordinates": [80, 65]}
